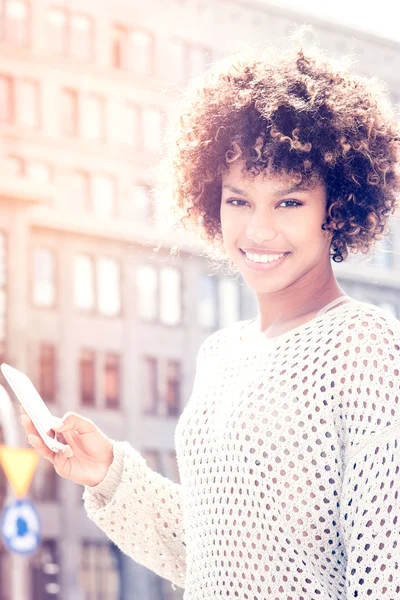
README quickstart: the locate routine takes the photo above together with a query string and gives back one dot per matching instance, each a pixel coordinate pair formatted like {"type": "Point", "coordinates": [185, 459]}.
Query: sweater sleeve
{"type": "Point", "coordinates": [141, 512]}
{"type": "Point", "coordinates": [370, 517]}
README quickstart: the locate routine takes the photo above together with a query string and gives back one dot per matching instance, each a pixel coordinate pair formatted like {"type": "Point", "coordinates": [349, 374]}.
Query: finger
{"type": "Point", "coordinates": [28, 425]}
{"type": "Point", "coordinates": [74, 422]}
{"type": "Point", "coordinates": [62, 463]}
{"type": "Point", "coordinates": [38, 444]}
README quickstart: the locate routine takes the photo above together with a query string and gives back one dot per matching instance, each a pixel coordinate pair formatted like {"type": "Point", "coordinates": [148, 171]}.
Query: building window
{"type": "Point", "coordinates": [132, 50]}
{"type": "Point", "coordinates": [141, 51]}
{"type": "Point", "coordinates": [108, 287]}
{"type": "Point", "coordinates": [170, 296]}
{"type": "Point", "coordinates": [132, 131]}
{"type": "Point", "coordinates": [93, 117]}
{"type": "Point", "coordinates": [47, 376]}
{"type": "Point", "coordinates": [142, 203]}
{"type": "Point", "coordinates": [6, 99]}
{"type": "Point", "coordinates": [189, 60]}
{"type": "Point", "coordinates": [3, 295]}
{"type": "Point", "coordinates": [207, 302]}
{"type": "Point", "coordinates": [82, 37]}
{"type": "Point", "coordinates": [99, 574]}
{"type": "Point", "coordinates": [57, 31]}
{"type": "Point", "coordinates": [44, 278]}
{"type": "Point", "coordinates": [152, 129]}
{"type": "Point", "coordinates": [69, 113]}
{"type": "Point", "coordinates": [147, 292]}
{"type": "Point", "coordinates": [87, 367]}
{"type": "Point", "coordinates": [112, 372]}
{"type": "Point", "coordinates": [70, 34]}
{"type": "Point", "coordinates": [150, 385]}
{"type": "Point", "coordinates": [103, 194]}
{"type": "Point", "coordinates": [38, 171]}
{"type": "Point", "coordinates": [84, 282]}
{"type": "Point", "coordinates": [172, 388]}
{"type": "Point", "coordinates": [13, 165]}
{"type": "Point", "coordinates": [17, 21]}
{"type": "Point", "coordinates": [27, 103]}
{"type": "Point", "coordinates": [228, 302]}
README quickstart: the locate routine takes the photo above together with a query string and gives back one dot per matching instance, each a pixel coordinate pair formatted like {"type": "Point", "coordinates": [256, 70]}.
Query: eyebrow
{"type": "Point", "coordinates": [298, 187]}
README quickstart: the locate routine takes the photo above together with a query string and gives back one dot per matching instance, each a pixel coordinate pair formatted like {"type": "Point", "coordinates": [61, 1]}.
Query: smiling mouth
{"type": "Point", "coordinates": [263, 265]}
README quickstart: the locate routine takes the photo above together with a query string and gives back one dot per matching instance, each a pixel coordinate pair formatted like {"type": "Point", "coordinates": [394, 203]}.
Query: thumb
{"type": "Point", "coordinates": [74, 422]}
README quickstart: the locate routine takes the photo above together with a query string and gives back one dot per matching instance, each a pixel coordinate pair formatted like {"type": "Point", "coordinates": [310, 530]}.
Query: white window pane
{"type": "Point", "coordinates": [26, 103]}
{"type": "Point", "coordinates": [13, 165]}
{"type": "Point", "coordinates": [229, 302]}
{"type": "Point", "coordinates": [131, 125]}
{"type": "Point", "coordinates": [3, 268]}
{"type": "Point", "coordinates": [17, 9]}
{"type": "Point", "coordinates": [141, 202]}
{"type": "Point", "coordinates": [5, 99]}
{"type": "Point", "coordinates": [141, 51]}
{"type": "Point", "coordinates": [179, 58]}
{"type": "Point", "coordinates": [57, 30]}
{"type": "Point", "coordinates": [198, 61]}
{"type": "Point", "coordinates": [81, 37]}
{"type": "Point", "coordinates": [3, 320]}
{"type": "Point", "coordinates": [38, 171]}
{"type": "Point", "coordinates": [93, 117]}
{"type": "Point", "coordinates": [207, 302]}
{"type": "Point", "coordinates": [44, 290]}
{"type": "Point", "coordinates": [152, 129]}
{"type": "Point", "coordinates": [17, 19]}
{"type": "Point", "coordinates": [147, 292]}
{"type": "Point", "coordinates": [84, 283]}
{"type": "Point", "coordinates": [69, 112]}
{"type": "Point", "coordinates": [103, 195]}
{"type": "Point", "coordinates": [109, 286]}
{"type": "Point", "coordinates": [170, 296]}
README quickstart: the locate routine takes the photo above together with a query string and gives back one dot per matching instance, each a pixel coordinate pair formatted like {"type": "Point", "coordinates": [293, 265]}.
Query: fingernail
{"type": "Point", "coordinates": [58, 424]}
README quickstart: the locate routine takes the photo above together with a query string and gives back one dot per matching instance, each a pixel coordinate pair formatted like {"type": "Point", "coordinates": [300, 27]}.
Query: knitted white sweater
{"type": "Point", "coordinates": [289, 459]}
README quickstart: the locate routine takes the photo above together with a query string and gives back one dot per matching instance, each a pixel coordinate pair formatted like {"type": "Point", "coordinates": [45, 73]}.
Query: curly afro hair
{"type": "Point", "coordinates": [293, 112]}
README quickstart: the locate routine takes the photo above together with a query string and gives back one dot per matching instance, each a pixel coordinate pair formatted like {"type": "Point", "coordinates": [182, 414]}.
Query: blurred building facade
{"type": "Point", "coordinates": [102, 324]}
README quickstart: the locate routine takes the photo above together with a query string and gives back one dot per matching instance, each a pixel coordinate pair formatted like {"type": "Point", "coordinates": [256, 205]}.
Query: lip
{"type": "Point", "coordinates": [258, 251]}
{"type": "Point", "coordinates": [263, 266]}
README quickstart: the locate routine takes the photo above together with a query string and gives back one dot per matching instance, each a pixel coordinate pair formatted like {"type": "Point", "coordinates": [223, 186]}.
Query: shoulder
{"type": "Point", "coordinates": [220, 340]}
{"type": "Point", "coordinates": [368, 325]}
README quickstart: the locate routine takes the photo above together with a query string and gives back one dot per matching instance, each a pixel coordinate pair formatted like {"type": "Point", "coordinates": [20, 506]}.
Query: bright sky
{"type": "Point", "coordinates": [381, 17]}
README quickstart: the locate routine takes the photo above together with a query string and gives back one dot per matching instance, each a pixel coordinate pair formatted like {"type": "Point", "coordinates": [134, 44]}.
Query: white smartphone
{"type": "Point", "coordinates": [33, 404]}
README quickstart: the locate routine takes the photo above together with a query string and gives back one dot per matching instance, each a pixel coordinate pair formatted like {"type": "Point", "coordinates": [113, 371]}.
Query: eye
{"type": "Point", "coordinates": [293, 203]}
{"type": "Point", "coordinates": [233, 201]}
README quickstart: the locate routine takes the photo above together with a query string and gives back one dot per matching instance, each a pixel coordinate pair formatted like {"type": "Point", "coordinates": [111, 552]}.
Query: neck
{"type": "Point", "coordinates": [297, 302]}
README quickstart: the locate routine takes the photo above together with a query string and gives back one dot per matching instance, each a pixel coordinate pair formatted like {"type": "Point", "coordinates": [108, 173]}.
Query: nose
{"type": "Point", "coordinates": [260, 230]}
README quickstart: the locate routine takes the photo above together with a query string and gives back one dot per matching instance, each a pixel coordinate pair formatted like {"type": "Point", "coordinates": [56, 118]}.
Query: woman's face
{"type": "Point", "coordinates": [265, 216]}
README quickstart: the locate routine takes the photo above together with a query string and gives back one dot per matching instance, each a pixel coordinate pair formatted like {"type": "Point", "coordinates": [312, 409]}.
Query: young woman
{"type": "Point", "coordinates": [289, 447]}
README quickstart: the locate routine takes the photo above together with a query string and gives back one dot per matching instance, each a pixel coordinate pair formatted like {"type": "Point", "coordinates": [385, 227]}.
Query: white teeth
{"type": "Point", "coordinates": [264, 258]}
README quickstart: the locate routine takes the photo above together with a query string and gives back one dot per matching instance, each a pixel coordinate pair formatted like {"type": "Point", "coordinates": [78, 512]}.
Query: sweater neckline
{"type": "Point", "coordinates": [260, 340]}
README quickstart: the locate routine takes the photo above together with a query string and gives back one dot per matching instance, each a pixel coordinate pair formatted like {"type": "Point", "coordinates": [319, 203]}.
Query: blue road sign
{"type": "Point", "coordinates": [20, 527]}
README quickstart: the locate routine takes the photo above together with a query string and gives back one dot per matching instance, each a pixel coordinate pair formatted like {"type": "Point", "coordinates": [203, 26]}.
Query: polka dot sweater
{"type": "Point", "coordinates": [289, 460]}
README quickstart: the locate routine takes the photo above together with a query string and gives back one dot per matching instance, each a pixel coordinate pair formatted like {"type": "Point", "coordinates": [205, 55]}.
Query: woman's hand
{"type": "Point", "coordinates": [92, 450]}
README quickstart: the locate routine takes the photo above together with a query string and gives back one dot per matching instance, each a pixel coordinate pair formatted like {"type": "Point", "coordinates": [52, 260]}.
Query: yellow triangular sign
{"type": "Point", "coordinates": [19, 465]}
